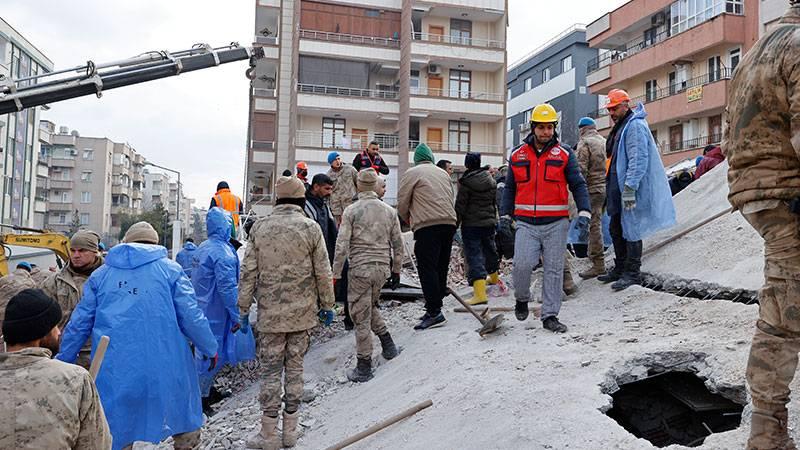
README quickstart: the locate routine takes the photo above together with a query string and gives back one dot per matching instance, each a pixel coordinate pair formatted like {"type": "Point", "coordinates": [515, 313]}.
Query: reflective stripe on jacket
{"type": "Point", "coordinates": [541, 182]}
{"type": "Point", "coordinates": [229, 202]}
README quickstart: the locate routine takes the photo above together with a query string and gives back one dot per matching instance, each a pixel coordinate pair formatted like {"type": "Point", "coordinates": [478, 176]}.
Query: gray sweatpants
{"type": "Point", "coordinates": [548, 242]}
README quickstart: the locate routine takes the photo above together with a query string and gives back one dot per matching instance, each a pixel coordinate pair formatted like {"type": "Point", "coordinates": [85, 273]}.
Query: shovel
{"type": "Point", "coordinates": [489, 325]}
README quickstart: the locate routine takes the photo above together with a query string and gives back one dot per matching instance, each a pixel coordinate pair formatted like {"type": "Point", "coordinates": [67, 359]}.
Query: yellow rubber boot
{"type": "Point", "coordinates": [494, 278]}
{"type": "Point", "coordinates": [479, 293]}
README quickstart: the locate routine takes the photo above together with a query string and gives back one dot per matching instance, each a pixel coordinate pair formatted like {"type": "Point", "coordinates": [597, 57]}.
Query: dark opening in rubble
{"type": "Point", "coordinates": [697, 289]}
{"type": "Point", "coordinates": [673, 408]}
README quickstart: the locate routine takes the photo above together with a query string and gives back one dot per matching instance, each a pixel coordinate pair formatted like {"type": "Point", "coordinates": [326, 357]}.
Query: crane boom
{"type": "Point", "coordinates": [16, 95]}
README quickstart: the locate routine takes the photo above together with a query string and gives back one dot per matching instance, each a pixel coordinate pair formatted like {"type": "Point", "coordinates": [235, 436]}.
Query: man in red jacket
{"type": "Point", "coordinates": [711, 158]}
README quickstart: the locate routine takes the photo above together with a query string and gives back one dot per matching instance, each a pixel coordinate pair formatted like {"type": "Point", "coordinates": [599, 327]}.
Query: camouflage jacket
{"type": "Point", "coordinates": [369, 235]}
{"type": "Point", "coordinates": [762, 135]}
{"type": "Point", "coordinates": [591, 152]}
{"type": "Point", "coordinates": [45, 403]}
{"type": "Point", "coordinates": [286, 269]}
{"type": "Point", "coordinates": [344, 188]}
{"type": "Point", "coordinates": [66, 287]}
{"type": "Point", "coordinates": [11, 285]}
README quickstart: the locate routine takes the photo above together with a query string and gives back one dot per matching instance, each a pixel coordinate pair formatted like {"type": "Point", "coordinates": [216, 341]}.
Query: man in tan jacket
{"type": "Point", "coordinates": [286, 269]}
{"type": "Point", "coordinates": [425, 201]}
{"type": "Point", "coordinates": [44, 403]}
{"type": "Point", "coordinates": [591, 151]}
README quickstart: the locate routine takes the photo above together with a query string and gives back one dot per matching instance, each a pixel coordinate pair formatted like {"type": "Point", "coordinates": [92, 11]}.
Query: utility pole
{"type": "Point", "coordinates": [176, 225]}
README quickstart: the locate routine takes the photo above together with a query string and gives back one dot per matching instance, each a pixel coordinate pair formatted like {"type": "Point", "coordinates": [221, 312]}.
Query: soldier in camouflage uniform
{"type": "Point", "coordinates": [44, 403]}
{"type": "Point", "coordinates": [370, 237]}
{"type": "Point", "coordinates": [66, 286]}
{"type": "Point", "coordinates": [761, 142]}
{"type": "Point", "coordinates": [591, 150]}
{"type": "Point", "coordinates": [344, 185]}
{"type": "Point", "coordinates": [11, 285]}
{"type": "Point", "coordinates": [286, 269]}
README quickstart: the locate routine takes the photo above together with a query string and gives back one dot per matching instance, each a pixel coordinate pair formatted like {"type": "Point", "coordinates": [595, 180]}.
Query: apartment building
{"type": "Point", "coordinates": [42, 192]}
{"type": "Point", "coordinates": [676, 57]}
{"type": "Point", "coordinates": [769, 12]}
{"type": "Point", "coordinates": [180, 210]}
{"type": "Point", "coordinates": [553, 73]}
{"type": "Point", "coordinates": [155, 190]}
{"type": "Point", "coordinates": [19, 132]}
{"type": "Point", "coordinates": [338, 75]}
{"type": "Point", "coordinates": [93, 183]}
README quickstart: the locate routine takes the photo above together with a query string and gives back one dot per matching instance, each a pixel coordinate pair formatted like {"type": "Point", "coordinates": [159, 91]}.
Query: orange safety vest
{"type": "Point", "coordinates": [229, 202]}
{"type": "Point", "coordinates": [541, 182]}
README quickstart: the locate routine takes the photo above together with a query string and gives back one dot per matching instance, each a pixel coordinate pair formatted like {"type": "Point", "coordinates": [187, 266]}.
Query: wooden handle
{"type": "Point", "coordinates": [459, 309]}
{"type": "Point", "coordinates": [381, 425]}
{"type": "Point", "coordinates": [99, 354]}
{"type": "Point", "coordinates": [466, 305]}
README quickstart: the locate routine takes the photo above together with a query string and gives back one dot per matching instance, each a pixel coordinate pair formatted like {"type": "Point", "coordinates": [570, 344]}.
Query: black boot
{"type": "Point", "coordinates": [613, 274]}
{"type": "Point", "coordinates": [362, 372]}
{"type": "Point", "coordinates": [389, 349]}
{"type": "Point", "coordinates": [552, 324]}
{"type": "Point", "coordinates": [207, 409]}
{"type": "Point", "coordinates": [521, 310]}
{"type": "Point", "coordinates": [348, 324]}
{"type": "Point", "coordinates": [633, 267]}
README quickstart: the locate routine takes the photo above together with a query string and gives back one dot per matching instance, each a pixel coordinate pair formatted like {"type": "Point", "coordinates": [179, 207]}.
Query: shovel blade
{"type": "Point", "coordinates": [491, 325]}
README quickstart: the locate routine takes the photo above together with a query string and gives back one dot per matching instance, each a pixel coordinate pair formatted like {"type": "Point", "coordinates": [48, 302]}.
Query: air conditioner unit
{"type": "Point", "coordinates": [434, 69]}
{"type": "Point", "coordinates": [658, 19]}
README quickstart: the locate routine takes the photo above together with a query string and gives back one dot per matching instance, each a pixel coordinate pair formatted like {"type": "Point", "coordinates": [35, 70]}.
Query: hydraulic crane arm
{"type": "Point", "coordinates": [56, 242]}
{"type": "Point", "coordinates": [16, 95]}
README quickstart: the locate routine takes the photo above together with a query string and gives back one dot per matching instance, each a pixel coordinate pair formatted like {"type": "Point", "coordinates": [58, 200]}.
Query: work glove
{"type": "Point", "coordinates": [629, 197]}
{"type": "Point", "coordinates": [214, 359]}
{"type": "Point", "coordinates": [326, 317]}
{"type": "Point", "coordinates": [243, 325]}
{"type": "Point", "coordinates": [394, 281]}
{"type": "Point", "coordinates": [583, 228]}
{"type": "Point", "coordinates": [504, 227]}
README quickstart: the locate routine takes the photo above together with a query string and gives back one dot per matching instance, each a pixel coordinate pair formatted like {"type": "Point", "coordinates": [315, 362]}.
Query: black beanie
{"type": "Point", "coordinates": [222, 185]}
{"type": "Point", "coordinates": [30, 315]}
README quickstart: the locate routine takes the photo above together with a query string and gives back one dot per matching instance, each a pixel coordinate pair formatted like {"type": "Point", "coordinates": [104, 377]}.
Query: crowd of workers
{"type": "Point", "coordinates": [336, 231]}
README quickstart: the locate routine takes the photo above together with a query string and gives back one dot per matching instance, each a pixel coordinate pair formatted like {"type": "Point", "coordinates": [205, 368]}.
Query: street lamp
{"type": "Point", "coordinates": [176, 234]}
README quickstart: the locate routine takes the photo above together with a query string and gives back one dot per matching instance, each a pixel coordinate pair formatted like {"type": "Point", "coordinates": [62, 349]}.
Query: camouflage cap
{"type": "Point", "coordinates": [290, 187]}
{"type": "Point", "coordinates": [367, 180]}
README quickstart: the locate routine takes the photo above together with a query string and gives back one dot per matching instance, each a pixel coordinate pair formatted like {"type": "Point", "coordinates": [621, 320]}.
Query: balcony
{"type": "Point", "coordinates": [702, 94]}
{"type": "Point", "coordinates": [348, 46]}
{"type": "Point", "coordinates": [119, 189]}
{"type": "Point", "coordinates": [316, 99]}
{"type": "Point", "coordinates": [62, 162]}
{"type": "Point", "coordinates": [459, 148]}
{"type": "Point", "coordinates": [120, 209]}
{"type": "Point", "coordinates": [136, 195]}
{"type": "Point", "coordinates": [53, 206]}
{"type": "Point", "coordinates": [678, 151]}
{"type": "Point", "coordinates": [339, 141]}
{"type": "Point", "coordinates": [642, 55]}
{"type": "Point", "coordinates": [60, 184]}
{"type": "Point", "coordinates": [444, 103]}
{"type": "Point", "coordinates": [460, 40]}
{"type": "Point", "coordinates": [496, 7]}
{"type": "Point", "coordinates": [471, 53]}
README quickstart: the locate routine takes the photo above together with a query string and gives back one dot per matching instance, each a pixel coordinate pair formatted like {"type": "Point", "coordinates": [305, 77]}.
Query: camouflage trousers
{"type": "Point", "coordinates": [183, 441]}
{"type": "Point", "coordinates": [281, 354]}
{"type": "Point", "coordinates": [776, 342]}
{"type": "Point", "coordinates": [363, 293]}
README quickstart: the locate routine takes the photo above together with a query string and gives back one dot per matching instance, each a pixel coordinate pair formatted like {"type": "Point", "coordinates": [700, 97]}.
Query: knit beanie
{"type": "Point", "coordinates": [423, 153]}
{"type": "Point", "coordinates": [367, 180]}
{"type": "Point", "coordinates": [85, 240]}
{"type": "Point", "coordinates": [25, 265]}
{"type": "Point", "coordinates": [586, 122]}
{"type": "Point", "coordinates": [290, 187]}
{"type": "Point", "coordinates": [222, 185]}
{"type": "Point", "coordinates": [30, 315]}
{"type": "Point", "coordinates": [472, 161]}
{"type": "Point", "coordinates": [332, 157]}
{"type": "Point", "coordinates": [141, 232]}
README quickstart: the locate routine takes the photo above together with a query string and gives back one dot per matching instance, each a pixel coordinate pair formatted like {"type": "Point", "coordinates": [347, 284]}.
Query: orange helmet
{"type": "Point", "coordinates": [302, 165]}
{"type": "Point", "coordinates": [617, 96]}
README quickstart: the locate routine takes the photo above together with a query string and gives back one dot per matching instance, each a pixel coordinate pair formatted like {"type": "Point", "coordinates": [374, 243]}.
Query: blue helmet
{"type": "Point", "coordinates": [586, 122]}
{"type": "Point", "coordinates": [25, 265]}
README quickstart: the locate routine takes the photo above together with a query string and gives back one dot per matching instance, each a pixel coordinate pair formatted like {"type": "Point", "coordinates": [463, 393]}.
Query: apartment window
{"type": "Point", "coordinates": [714, 69]}
{"type": "Point", "coordinates": [372, 13]}
{"type": "Point", "coordinates": [650, 90]}
{"type": "Point", "coordinates": [546, 75]}
{"type": "Point", "coordinates": [508, 124]}
{"type": "Point", "coordinates": [734, 6]}
{"type": "Point", "coordinates": [88, 155]}
{"type": "Point", "coordinates": [735, 56]}
{"type": "Point", "coordinates": [458, 135]}
{"type": "Point", "coordinates": [685, 14]}
{"type": "Point", "coordinates": [508, 94]}
{"type": "Point", "coordinates": [460, 83]}
{"type": "Point", "coordinates": [3, 44]}
{"type": "Point", "coordinates": [66, 174]}
{"type": "Point", "coordinates": [650, 36]}
{"type": "Point", "coordinates": [84, 218]}
{"type": "Point", "coordinates": [332, 132]}
{"type": "Point", "coordinates": [528, 84]}
{"type": "Point", "coordinates": [566, 64]}
{"type": "Point", "coordinates": [61, 218]}
{"type": "Point", "coordinates": [460, 31]}
{"type": "Point", "coordinates": [414, 81]}
{"type": "Point", "coordinates": [66, 196]}
{"type": "Point", "coordinates": [528, 115]}
{"type": "Point", "coordinates": [86, 197]}
{"type": "Point", "coordinates": [86, 176]}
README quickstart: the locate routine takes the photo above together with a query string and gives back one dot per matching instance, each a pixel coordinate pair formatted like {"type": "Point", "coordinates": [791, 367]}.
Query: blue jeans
{"type": "Point", "coordinates": [480, 252]}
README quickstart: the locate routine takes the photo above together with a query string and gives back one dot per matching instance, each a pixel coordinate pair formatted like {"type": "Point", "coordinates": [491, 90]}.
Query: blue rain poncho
{"type": "Point", "coordinates": [184, 257]}
{"type": "Point", "coordinates": [146, 305]}
{"type": "Point", "coordinates": [216, 283]}
{"type": "Point", "coordinates": [639, 166]}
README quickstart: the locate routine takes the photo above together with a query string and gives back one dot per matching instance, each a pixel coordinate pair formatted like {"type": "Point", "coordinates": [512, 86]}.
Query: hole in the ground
{"type": "Point", "coordinates": [697, 289]}
{"type": "Point", "coordinates": [673, 408]}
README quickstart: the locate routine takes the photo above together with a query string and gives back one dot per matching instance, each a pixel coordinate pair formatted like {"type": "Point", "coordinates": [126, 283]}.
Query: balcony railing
{"type": "Point", "coordinates": [346, 92]}
{"type": "Point", "coordinates": [263, 92]}
{"type": "Point", "coordinates": [457, 94]}
{"type": "Point", "coordinates": [459, 40]}
{"type": "Point", "coordinates": [268, 40]}
{"type": "Point", "coordinates": [673, 89]}
{"type": "Point", "coordinates": [339, 140]}
{"type": "Point", "coordinates": [690, 144]}
{"type": "Point", "coordinates": [350, 38]}
{"type": "Point", "coordinates": [637, 45]}
{"type": "Point", "coordinates": [459, 147]}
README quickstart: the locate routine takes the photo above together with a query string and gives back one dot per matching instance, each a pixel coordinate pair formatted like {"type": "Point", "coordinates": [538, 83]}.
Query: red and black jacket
{"type": "Point", "coordinates": [537, 183]}
{"type": "Point", "coordinates": [363, 160]}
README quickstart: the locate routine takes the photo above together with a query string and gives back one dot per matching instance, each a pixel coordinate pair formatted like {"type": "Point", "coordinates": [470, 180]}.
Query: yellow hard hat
{"type": "Point", "coordinates": [544, 113]}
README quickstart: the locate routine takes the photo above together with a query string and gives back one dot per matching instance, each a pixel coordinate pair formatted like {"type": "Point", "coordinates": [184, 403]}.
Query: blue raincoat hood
{"type": "Point", "coordinates": [189, 246]}
{"type": "Point", "coordinates": [639, 166]}
{"type": "Point", "coordinates": [218, 224]}
{"type": "Point", "coordinates": [130, 256]}
{"type": "Point", "coordinates": [184, 257]}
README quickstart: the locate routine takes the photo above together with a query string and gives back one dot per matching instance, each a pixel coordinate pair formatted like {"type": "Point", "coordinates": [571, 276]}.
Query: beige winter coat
{"type": "Point", "coordinates": [426, 197]}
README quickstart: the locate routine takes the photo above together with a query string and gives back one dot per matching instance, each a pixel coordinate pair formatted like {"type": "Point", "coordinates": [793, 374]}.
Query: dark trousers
{"type": "Point", "coordinates": [480, 252]}
{"type": "Point", "coordinates": [432, 248]}
{"type": "Point", "coordinates": [627, 254]}
{"type": "Point", "coordinates": [340, 291]}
